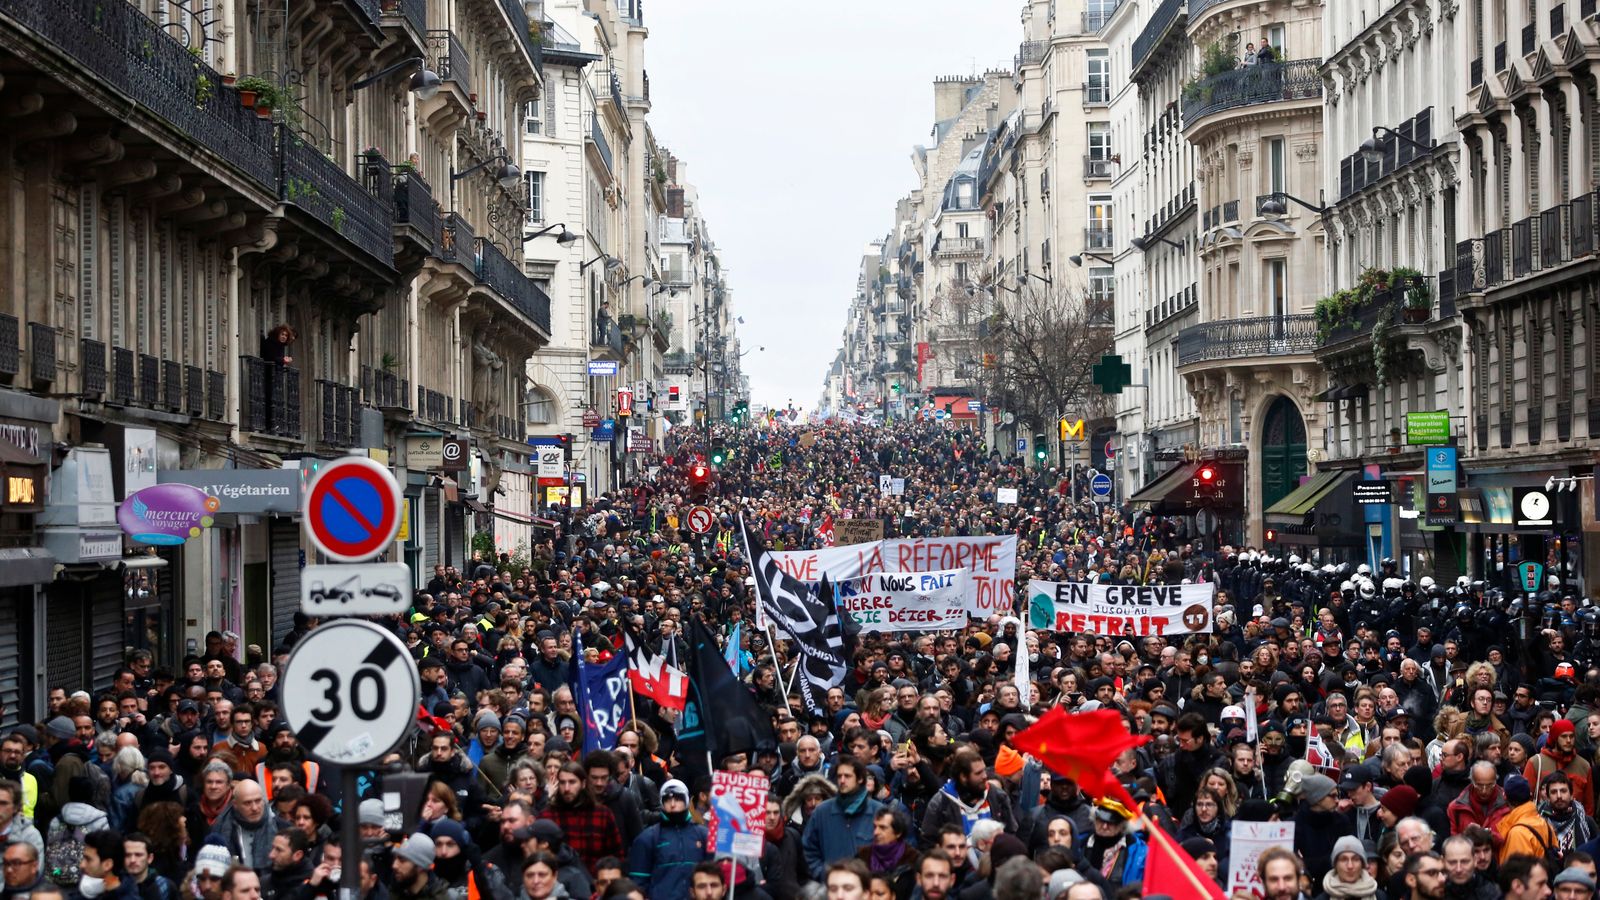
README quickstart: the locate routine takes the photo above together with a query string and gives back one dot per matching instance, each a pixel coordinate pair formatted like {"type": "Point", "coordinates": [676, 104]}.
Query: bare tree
{"type": "Point", "coordinates": [1039, 352]}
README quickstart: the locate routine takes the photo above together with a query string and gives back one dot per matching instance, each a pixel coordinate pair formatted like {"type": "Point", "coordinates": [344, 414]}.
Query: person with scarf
{"type": "Point", "coordinates": [1573, 825]}
{"type": "Point", "coordinates": [458, 863]}
{"type": "Point", "coordinates": [1482, 803]}
{"type": "Point", "coordinates": [1560, 754]}
{"type": "Point", "coordinates": [1206, 818]}
{"type": "Point", "coordinates": [889, 854]}
{"type": "Point", "coordinates": [1318, 824]}
{"type": "Point", "coordinates": [967, 798]}
{"type": "Point", "coordinates": [842, 825]}
{"type": "Point", "coordinates": [1349, 878]}
{"type": "Point", "coordinates": [248, 826]}
{"type": "Point", "coordinates": [1112, 850]}
{"type": "Point", "coordinates": [214, 799]}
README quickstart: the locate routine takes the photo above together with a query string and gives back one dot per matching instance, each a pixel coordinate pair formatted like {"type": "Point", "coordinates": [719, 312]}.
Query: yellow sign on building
{"type": "Point", "coordinates": [1072, 430]}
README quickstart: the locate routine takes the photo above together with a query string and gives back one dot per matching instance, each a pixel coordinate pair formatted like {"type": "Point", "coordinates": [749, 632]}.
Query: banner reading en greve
{"type": "Point", "coordinates": [908, 601]}
{"type": "Point", "coordinates": [1129, 610]}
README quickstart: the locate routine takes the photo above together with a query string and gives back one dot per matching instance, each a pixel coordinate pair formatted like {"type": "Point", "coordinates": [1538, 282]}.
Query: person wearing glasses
{"type": "Point", "coordinates": [1425, 876]}
{"type": "Point", "coordinates": [23, 874]}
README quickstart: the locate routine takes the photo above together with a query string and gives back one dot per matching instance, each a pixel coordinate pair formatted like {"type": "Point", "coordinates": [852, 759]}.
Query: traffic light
{"type": "Point", "coordinates": [719, 451]}
{"type": "Point", "coordinates": [895, 386]}
{"type": "Point", "coordinates": [1207, 482]}
{"type": "Point", "coordinates": [699, 481]}
{"type": "Point", "coordinates": [1041, 448]}
{"type": "Point", "coordinates": [1272, 535]}
{"type": "Point", "coordinates": [1207, 476]}
{"type": "Point", "coordinates": [566, 446]}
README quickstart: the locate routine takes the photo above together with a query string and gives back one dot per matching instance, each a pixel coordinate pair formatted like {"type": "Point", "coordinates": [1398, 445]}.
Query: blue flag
{"type": "Point", "coordinates": [732, 653]}
{"type": "Point", "coordinates": [602, 695]}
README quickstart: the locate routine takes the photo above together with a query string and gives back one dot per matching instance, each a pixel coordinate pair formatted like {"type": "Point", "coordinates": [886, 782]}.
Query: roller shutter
{"type": "Point", "coordinates": [430, 532]}
{"type": "Point", "coordinates": [65, 636]}
{"type": "Point", "coordinates": [11, 661]}
{"type": "Point", "coordinates": [106, 641]}
{"type": "Point", "coordinates": [284, 535]}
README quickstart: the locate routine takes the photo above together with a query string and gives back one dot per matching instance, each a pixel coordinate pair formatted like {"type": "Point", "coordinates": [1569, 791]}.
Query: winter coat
{"type": "Point", "coordinates": [1523, 831]}
{"type": "Point", "coordinates": [234, 835]}
{"type": "Point", "coordinates": [833, 834]}
{"type": "Point", "coordinates": [947, 808]}
{"type": "Point", "coordinates": [664, 855]}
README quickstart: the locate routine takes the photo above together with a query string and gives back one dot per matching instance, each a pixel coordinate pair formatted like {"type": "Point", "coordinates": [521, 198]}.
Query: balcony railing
{"type": "Point", "coordinates": [1247, 338]}
{"type": "Point", "coordinates": [1096, 168]}
{"type": "Point", "coordinates": [414, 207]}
{"type": "Point", "coordinates": [1098, 238]}
{"type": "Point", "coordinates": [340, 414]}
{"type": "Point", "coordinates": [1382, 307]}
{"type": "Point", "coordinates": [1548, 240]}
{"type": "Point", "coordinates": [216, 395]}
{"type": "Point", "coordinates": [194, 391]}
{"type": "Point", "coordinates": [319, 187]}
{"type": "Point", "coordinates": [1356, 172]}
{"type": "Point", "coordinates": [1096, 92]}
{"type": "Point", "coordinates": [518, 14]}
{"type": "Point", "coordinates": [1297, 79]}
{"type": "Point", "coordinates": [41, 352]}
{"type": "Point", "coordinates": [1030, 53]}
{"type": "Point", "coordinates": [415, 12]}
{"type": "Point", "coordinates": [172, 385]}
{"type": "Point", "coordinates": [953, 246]}
{"type": "Point", "coordinates": [123, 380]}
{"type": "Point", "coordinates": [506, 278]}
{"type": "Point", "coordinates": [1094, 20]}
{"type": "Point", "coordinates": [450, 58]}
{"type": "Point", "coordinates": [433, 406]}
{"type": "Point", "coordinates": [598, 137]}
{"type": "Point", "coordinates": [149, 381]}
{"type": "Point", "coordinates": [123, 50]}
{"type": "Point", "coordinates": [608, 335]}
{"type": "Point", "coordinates": [1164, 21]}
{"type": "Point", "coordinates": [456, 242]}
{"type": "Point", "coordinates": [270, 403]}
{"type": "Point", "coordinates": [92, 368]}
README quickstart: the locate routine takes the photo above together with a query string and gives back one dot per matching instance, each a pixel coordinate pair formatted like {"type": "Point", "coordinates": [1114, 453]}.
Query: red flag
{"type": "Point", "coordinates": [653, 677]}
{"type": "Point", "coordinates": [825, 531]}
{"type": "Point", "coordinates": [1082, 747]}
{"type": "Point", "coordinates": [1169, 870]}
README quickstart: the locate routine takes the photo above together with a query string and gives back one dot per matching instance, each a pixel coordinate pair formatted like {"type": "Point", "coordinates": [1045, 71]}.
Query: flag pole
{"type": "Point", "coordinates": [777, 669]}
{"type": "Point", "coordinates": [1196, 884]}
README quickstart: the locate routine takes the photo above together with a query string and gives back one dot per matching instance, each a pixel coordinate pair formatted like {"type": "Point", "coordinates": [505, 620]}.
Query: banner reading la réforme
{"type": "Point", "coordinates": [991, 559]}
{"type": "Point", "coordinates": [907, 601]}
{"type": "Point", "coordinates": [1124, 610]}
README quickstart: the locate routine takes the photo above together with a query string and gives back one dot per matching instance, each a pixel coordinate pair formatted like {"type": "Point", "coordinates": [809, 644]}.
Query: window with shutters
{"type": "Point", "coordinates": [63, 310]}
{"type": "Point", "coordinates": [534, 182]}
{"type": "Point", "coordinates": [162, 334]}
{"type": "Point", "coordinates": [1533, 327]}
{"type": "Point", "coordinates": [552, 89]}
{"type": "Point", "coordinates": [1504, 149]}
{"type": "Point", "coordinates": [182, 347]}
{"type": "Point", "coordinates": [212, 305]}
{"type": "Point", "coordinates": [88, 260]}
{"type": "Point", "coordinates": [1563, 139]}
{"type": "Point", "coordinates": [116, 296]}
{"type": "Point", "coordinates": [1530, 162]}
{"type": "Point", "coordinates": [139, 298]}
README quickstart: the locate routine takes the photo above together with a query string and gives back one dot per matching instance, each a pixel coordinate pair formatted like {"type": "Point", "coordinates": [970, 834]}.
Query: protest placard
{"type": "Point", "coordinates": [906, 601]}
{"type": "Point", "coordinates": [738, 821]}
{"type": "Point", "coordinates": [992, 560]}
{"type": "Point", "coordinates": [1248, 841]}
{"type": "Point", "coordinates": [857, 531]}
{"type": "Point", "coordinates": [1127, 610]}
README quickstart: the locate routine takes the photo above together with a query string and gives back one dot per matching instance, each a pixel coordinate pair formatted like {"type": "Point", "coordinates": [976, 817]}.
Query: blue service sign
{"type": "Point", "coordinates": [602, 367]}
{"type": "Point", "coordinates": [1441, 470]}
{"type": "Point", "coordinates": [1022, 445]}
{"type": "Point", "coordinates": [1100, 485]}
{"type": "Point", "coordinates": [606, 431]}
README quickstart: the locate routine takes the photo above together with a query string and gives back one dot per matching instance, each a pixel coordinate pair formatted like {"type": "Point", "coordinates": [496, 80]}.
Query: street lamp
{"type": "Point", "coordinates": [565, 237]}
{"type": "Point", "coordinates": [647, 281]}
{"type": "Point", "coordinates": [612, 263]}
{"type": "Point", "coordinates": [507, 175]}
{"type": "Point", "coordinates": [1274, 205]}
{"type": "Point", "coordinates": [1373, 154]}
{"type": "Point", "coordinates": [1077, 259]}
{"type": "Point", "coordinates": [1042, 278]}
{"type": "Point", "coordinates": [424, 82]}
{"type": "Point", "coordinates": [1143, 244]}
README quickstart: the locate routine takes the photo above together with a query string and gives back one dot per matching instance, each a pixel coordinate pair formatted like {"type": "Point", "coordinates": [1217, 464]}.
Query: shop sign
{"type": "Point", "coordinates": [167, 514]}
{"type": "Point", "coordinates": [1431, 427]}
{"type": "Point", "coordinates": [591, 418]}
{"type": "Point", "coordinates": [1441, 470]}
{"type": "Point", "coordinates": [243, 491]}
{"type": "Point", "coordinates": [1444, 509]}
{"type": "Point", "coordinates": [93, 545]}
{"type": "Point", "coordinates": [1535, 508]}
{"type": "Point", "coordinates": [425, 452]}
{"type": "Point", "coordinates": [138, 459]}
{"type": "Point", "coordinates": [624, 402]}
{"type": "Point", "coordinates": [1370, 492]}
{"type": "Point", "coordinates": [600, 368]}
{"type": "Point", "coordinates": [605, 431]}
{"type": "Point", "coordinates": [24, 485]}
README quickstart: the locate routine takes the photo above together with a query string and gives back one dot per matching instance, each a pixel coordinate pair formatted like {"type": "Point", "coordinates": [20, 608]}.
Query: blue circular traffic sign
{"type": "Point", "coordinates": [352, 509]}
{"type": "Point", "coordinates": [1100, 485]}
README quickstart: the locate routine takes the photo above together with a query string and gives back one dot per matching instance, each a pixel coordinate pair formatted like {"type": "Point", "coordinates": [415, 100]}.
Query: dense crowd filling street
{"type": "Point", "coordinates": [1345, 733]}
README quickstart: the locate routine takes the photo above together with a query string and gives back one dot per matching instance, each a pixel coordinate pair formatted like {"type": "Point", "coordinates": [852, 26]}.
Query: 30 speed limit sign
{"type": "Point", "coordinates": [350, 692]}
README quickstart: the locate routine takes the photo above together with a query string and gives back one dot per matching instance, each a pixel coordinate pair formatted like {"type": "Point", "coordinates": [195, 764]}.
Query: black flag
{"type": "Point", "coordinates": [812, 620]}
{"type": "Point", "coordinates": [722, 715]}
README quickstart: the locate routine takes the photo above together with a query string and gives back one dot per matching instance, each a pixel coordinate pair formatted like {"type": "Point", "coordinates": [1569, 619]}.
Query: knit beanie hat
{"type": "Point", "coordinates": [1348, 844]}
{"type": "Point", "coordinates": [1401, 800]}
{"type": "Point", "coordinates": [417, 850]}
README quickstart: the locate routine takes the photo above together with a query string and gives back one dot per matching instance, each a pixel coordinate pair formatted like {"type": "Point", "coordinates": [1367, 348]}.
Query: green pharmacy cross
{"type": "Point", "coordinates": [1112, 374]}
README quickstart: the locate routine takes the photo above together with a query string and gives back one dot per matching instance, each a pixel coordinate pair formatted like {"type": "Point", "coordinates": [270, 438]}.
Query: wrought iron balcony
{"type": "Point", "coordinates": [92, 368]}
{"type": "Point", "coordinates": [41, 352]}
{"type": "Point", "coordinates": [413, 12]}
{"type": "Point", "coordinates": [1356, 172]}
{"type": "Point", "coordinates": [216, 395]}
{"type": "Point", "coordinates": [415, 210]}
{"type": "Point", "coordinates": [171, 385]}
{"type": "Point", "coordinates": [388, 390]}
{"type": "Point", "coordinates": [505, 277]}
{"type": "Point", "coordinates": [1382, 307]}
{"type": "Point", "coordinates": [340, 413]}
{"type": "Point", "coordinates": [10, 346]}
{"type": "Point", "coordinates": [1263, 336]}
{"type": "Point", "coordinates": [609, 336]}
{"type": "Point", "coordinates": [149, 381]}
{"type": "Point", "coordinates": [1297, 79]}
{"type": "Point", "coordinates": [1030, 53]}
{"type": "Point", "coordinates": [194, 391]}
{"type": "Point", "coordinates": [270, 403]}
{"type": "Point", "coordinates": [319, 187]}
{"type": "Point", "coordinates": [450, 59]}
{"type": "Point", "coordinates": [597, 137]}
{"type": "Point", "coordinates": [456, 241]}
{"type": "Point", "coordinates": [127, 52]}
{"type": "Point", "coordinates": [433, 406]}
{"type": "Point", "coordinates": [518, 14]}
{"type": "Point", "coordinates": [1094, 167]}
{"type": "Point", "coordinates": [1166, 21]}
{"type": "Point", "coordinates": [123, 380]}
{"type": "Point", "coordinates": [1098, 238]}
{"type": "Point", "coordinates": [1538, 243]}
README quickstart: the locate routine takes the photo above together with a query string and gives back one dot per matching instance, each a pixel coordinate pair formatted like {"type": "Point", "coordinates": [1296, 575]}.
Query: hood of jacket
{"type": "Point", "coordinates": [75, 814]}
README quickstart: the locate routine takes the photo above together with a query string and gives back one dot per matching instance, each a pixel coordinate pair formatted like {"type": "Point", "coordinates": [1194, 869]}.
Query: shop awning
{"type": "Point", "coordinates": [26, 565]}
{"type": "Point", "coordinates": [958, 407]}
{"type": "Point", "coordinates": [1157, 490]}
{"type": "Point", "coordinates": [1303, 499]}
{"type": "Point", "coordinates": [1342, 392]}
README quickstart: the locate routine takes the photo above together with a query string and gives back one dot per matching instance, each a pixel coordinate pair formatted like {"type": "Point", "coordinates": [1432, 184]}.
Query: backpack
{"type": "Point", "coordinates": [62, 854]}
{"type": "Point", "coordinates": [1550, 853]}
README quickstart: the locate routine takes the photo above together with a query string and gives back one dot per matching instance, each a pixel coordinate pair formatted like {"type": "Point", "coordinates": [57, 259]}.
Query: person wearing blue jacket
{"type": "Point", "coordinates": [1113, 848]}
{"type": "Point", "coordinates": [842, 825]}
{"type": "Point", "coordinates": [663, 856]}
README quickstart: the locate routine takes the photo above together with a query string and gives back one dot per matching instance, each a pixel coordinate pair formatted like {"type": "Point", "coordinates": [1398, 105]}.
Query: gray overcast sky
{"type": "Point", "coordinates": [797, 122]}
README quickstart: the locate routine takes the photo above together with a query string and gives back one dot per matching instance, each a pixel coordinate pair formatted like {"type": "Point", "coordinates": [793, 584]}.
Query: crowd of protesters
{"type": "Point", "coordinates": [1458, 727]}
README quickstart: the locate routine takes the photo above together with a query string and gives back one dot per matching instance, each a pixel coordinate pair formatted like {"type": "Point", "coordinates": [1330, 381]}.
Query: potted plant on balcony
{"type": "Point", "coordinates": [1418, 298]}
{"type": "Point", "coordinates": [253, 90]}
{"type": "Point", "coordinates": [1336, 311]}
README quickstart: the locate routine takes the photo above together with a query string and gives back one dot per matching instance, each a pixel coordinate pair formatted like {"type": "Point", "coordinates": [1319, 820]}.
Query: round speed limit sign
{"type": "Point", "coordinates": [350, 692]}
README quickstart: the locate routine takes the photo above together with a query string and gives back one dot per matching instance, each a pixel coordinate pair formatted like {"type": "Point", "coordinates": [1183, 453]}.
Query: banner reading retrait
{"type": "Point", "coordinates": [1126, 610]}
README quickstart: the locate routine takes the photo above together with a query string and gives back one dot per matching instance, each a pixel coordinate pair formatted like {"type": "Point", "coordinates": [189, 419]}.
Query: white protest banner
{"type": "Point", "coordinates": [992, 560]}
{"type": "Point", "coordinates": [1248, 841]}
{"type": "Point", "coordinates": [907, 601]}
{"type": "Point", "coordinates": [1125, 610]}
{"type": "Point", "coordinates": [1005, 495]}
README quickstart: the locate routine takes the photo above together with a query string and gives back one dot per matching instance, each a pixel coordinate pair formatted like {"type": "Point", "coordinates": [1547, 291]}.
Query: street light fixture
{"type": "Point", "coordinates": [1042, 278]}
{"type": "Point", "coordinates": [612, 263]}
{"type": "Point", "coordinates": [647, 281]}
{"type": "Point", "coordinates": [1274, 205]}
{"type": "Point", "coordinates": [424, 82]}
{"type": "Point", "coordinates": [1077, 259]}
{"type": "Point", "coordinates": [1371, 152]}
{"type": "Point", "coordinates": [565, 237]}
{"type": "Point", "coordinates": [1143, 244]}
{"type": "Point", "coordinates": [507, 175]}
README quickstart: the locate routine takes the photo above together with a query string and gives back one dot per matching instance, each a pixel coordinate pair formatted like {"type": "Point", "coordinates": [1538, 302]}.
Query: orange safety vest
{"type": "Point", "coordinates": [264, 776]}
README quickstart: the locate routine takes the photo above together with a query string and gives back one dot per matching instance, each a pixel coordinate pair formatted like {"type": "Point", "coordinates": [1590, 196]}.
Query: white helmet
{"type": "Point", "coordinates": [1426, 582]}
{"type": "Point", "coordinates": [1363, 569]}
